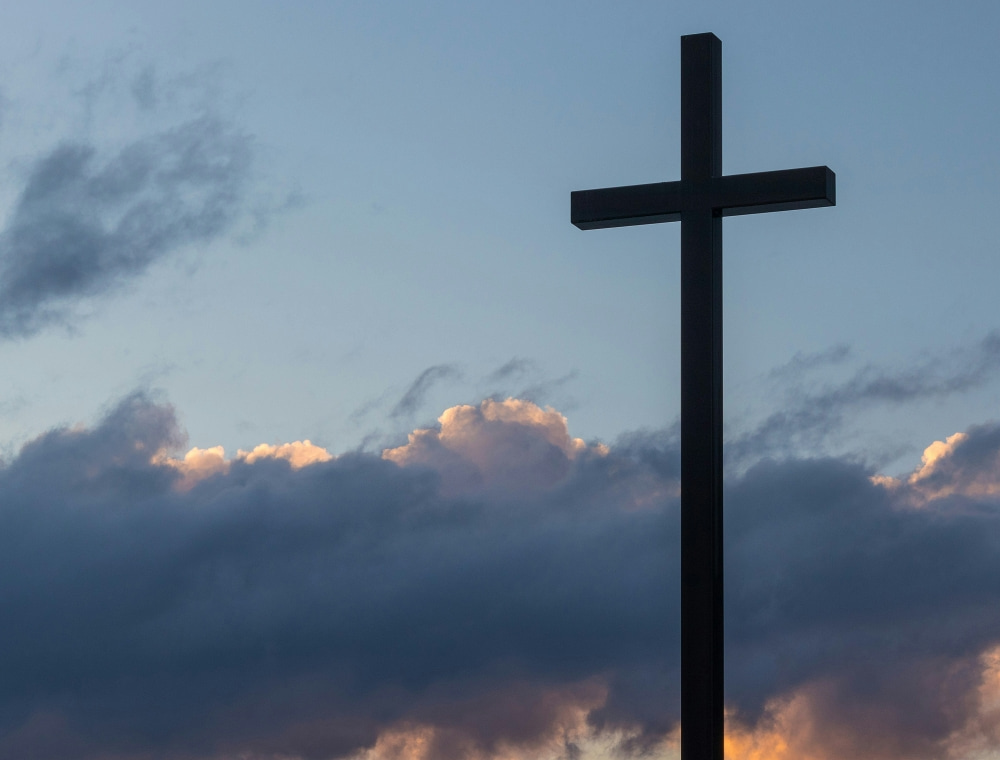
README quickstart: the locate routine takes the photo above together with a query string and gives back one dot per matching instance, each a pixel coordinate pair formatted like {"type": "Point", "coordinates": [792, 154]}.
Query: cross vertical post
{"type": "Point", "coordinates": [701, 407]}
{"type": "Point", "coordinates": [700, 200]}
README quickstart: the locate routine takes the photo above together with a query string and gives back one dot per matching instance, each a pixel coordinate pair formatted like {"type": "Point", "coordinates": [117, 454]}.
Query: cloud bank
{"type": "Point", "coordinates": [494, 588]}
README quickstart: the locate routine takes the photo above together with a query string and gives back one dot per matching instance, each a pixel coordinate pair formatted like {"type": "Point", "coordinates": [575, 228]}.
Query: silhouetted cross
{"type": "Point", "coordinates": [699, 201]}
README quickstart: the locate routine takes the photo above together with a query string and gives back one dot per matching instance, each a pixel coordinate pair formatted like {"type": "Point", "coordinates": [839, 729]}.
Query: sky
{"type": "Point", "coordinates": [325, 435]}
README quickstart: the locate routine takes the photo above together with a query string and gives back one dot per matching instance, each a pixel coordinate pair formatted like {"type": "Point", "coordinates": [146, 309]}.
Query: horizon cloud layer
{"type": "Point", "coordinates": [493, 588]}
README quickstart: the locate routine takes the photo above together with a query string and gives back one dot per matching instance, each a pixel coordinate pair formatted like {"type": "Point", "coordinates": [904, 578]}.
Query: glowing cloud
{"type": "Point", "coordinates": [934, 454]}
{"type": "Point", "coordinates": [794, 727]}
{"type": "Point", "coordinates": [964, 464]}
{"type": "Point", "coordinates": [199, 464]}
{"type": "Point", "coordinates": [554, 725]}
{"type": "Point", "coordinates": [298, 454]}
{"type": "Point", "coordinates": [979, 738]}
{"type": "Point", "coordinates": [512, 445]}
{"type": "Point", "coordinates": [196, 465]}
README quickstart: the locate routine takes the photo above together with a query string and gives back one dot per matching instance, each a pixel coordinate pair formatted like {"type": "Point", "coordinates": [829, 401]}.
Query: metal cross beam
{"type": "Point", "coordinates": [699, 201]}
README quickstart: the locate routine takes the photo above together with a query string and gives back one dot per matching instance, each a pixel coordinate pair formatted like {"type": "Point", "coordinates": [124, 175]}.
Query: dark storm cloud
{"type": "Point", "coordinates": [84, 223]}
{"type": "Point", "coordinates": [278, 612]}
{"type": "Point", "coordinates": [810, 414]}
{"type": "Point", "coordinates": [415, 395]}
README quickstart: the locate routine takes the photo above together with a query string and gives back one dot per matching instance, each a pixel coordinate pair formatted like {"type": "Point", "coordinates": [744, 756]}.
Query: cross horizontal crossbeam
{"type": "Point", "coordinates": [732, 195]}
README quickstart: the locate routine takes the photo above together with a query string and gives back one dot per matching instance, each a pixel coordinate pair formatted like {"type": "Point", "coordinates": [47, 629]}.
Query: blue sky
{"type": "Point", "coordinates": [413, 167]}
{"type": "Point", "coordinates": [235, 224]}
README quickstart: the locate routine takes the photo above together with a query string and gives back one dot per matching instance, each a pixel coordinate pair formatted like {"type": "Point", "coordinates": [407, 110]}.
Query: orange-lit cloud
{"type": "Point", "coordinates": [561, 730]}
{"type": "Point", "coordinates": [942, 473]}
{"type": "Point", "coordinates": [798, 728]}
{"type": "Point", "coordinates": [297, 453]}
{"type": "Point", "coordinates": [794, 727]}
{"type": "Point", "coordinates": [198, 464]}
{"type": "Point", "coordinates": [979, 738]}
{"type": "Point", "coordinates": [513, 444]}
{"type": "Point", "coordinates": [934, 454]}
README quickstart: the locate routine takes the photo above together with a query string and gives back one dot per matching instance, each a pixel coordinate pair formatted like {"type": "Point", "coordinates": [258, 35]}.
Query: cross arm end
{"type": "Point", "coordinates": [785, 190]}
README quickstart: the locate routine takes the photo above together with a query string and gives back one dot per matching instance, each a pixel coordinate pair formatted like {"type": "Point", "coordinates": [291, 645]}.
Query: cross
{"type": "Point", "coordinates": [699, 201]}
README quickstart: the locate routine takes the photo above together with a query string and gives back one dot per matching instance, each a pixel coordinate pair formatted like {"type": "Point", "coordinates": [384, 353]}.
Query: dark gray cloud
{"type": "Point", "coordinates": [145, 617]}
{"type": "Point", "coordinates": [271, 612]}
{"type": "Point", "coordinates": [842, 583]}
{"type": "Point", "coordinates": [414, 397]}
{"type": "Point", "coordinates": [85, 223]}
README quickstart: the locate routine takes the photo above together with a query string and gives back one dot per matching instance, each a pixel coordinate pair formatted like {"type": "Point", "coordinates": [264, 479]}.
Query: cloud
{"type": "Point", "coordinates": [514, 368]}
{"type": "Point", "coordinates": [196, 465]}
{"type": "Point", "coordinates": [513, 444]}
{"type": "Point", "coordinates": [144, 88]}
{"type": "Point", "coordinates": [809, 415]}
{"type": "Point", "coordinates": [873, 613]}
{"type": "Point", "coordinates": [805, 362]}
{"type": "Point", "coordinates": [530, 385]}
{"type": "Point", "coordinates": [964, 464]}
{"type": "Point", "coordinates": [289, 603]}
{"type": "Point", "coordinates": [298, 453]}
{"type": "Point", "coordinates": [544, 390]}
{"type": "Point", "coordinates": [414, 397]}
{"type": "Point", "coordinates": [85, 223]}
{"type": "Point", "coordinates": [199, 464]}
{"type": "Point", "coordinates": [309, 612]}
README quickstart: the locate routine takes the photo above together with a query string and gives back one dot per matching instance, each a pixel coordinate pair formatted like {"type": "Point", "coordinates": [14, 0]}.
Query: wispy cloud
{"type": "Point", "coordinates": [547, 390]}
{"type": "Point", "coordinates": [803, 362]}
{"type": "Point", "coordinates": [522, 378]}
{"type": "Point", "coordinates": [414, 397]}
{"type": "Point", "coordinates": [515, 368]}
{"type": "Point", "coordinates": [101, 203]}
{"type": "Point", "coordinates": [84, 223]}
{"type": "Point", "coordinates": [809, 414]}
